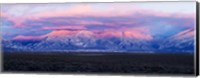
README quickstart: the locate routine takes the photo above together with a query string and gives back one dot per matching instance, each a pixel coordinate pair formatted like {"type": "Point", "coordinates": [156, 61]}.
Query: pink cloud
{"type": "Point", "coordinates": [18, 21]}
{"type": "Point", "coordinates": [88, 10]}
{"type": "Point", "coordinates": [82, 22]}
{"type": "Point", "coordinates": [63, 28]}
{"type": "Point", "coordinates": [82, 11]}
{"type": "Point", "coordinates": [74, 11]}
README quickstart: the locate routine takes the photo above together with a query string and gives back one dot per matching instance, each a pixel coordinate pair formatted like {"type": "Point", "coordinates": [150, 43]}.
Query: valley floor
{"type": "Point", "coordinates": [99, 63]}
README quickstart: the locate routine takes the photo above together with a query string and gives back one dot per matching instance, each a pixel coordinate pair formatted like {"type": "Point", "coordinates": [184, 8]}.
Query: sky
{"type": "Point", "coordinates": [143, 21]}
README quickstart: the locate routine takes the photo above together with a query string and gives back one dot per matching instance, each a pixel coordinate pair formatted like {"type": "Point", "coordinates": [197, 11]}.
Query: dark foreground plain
{"type": "Point", "coordinates": [128, 63]}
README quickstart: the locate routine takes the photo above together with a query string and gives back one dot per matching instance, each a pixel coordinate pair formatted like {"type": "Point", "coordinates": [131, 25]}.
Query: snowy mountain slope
{"type": "Point", "coordinates": [183, 41]}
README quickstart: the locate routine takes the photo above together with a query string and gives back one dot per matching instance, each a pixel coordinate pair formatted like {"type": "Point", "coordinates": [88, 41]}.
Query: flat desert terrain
{"type": "Point", "coordinates": [127, 63]}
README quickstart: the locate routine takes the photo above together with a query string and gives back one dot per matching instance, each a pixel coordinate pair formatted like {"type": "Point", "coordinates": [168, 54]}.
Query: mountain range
{"type": "Point", "coordinates": [87, 41]}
